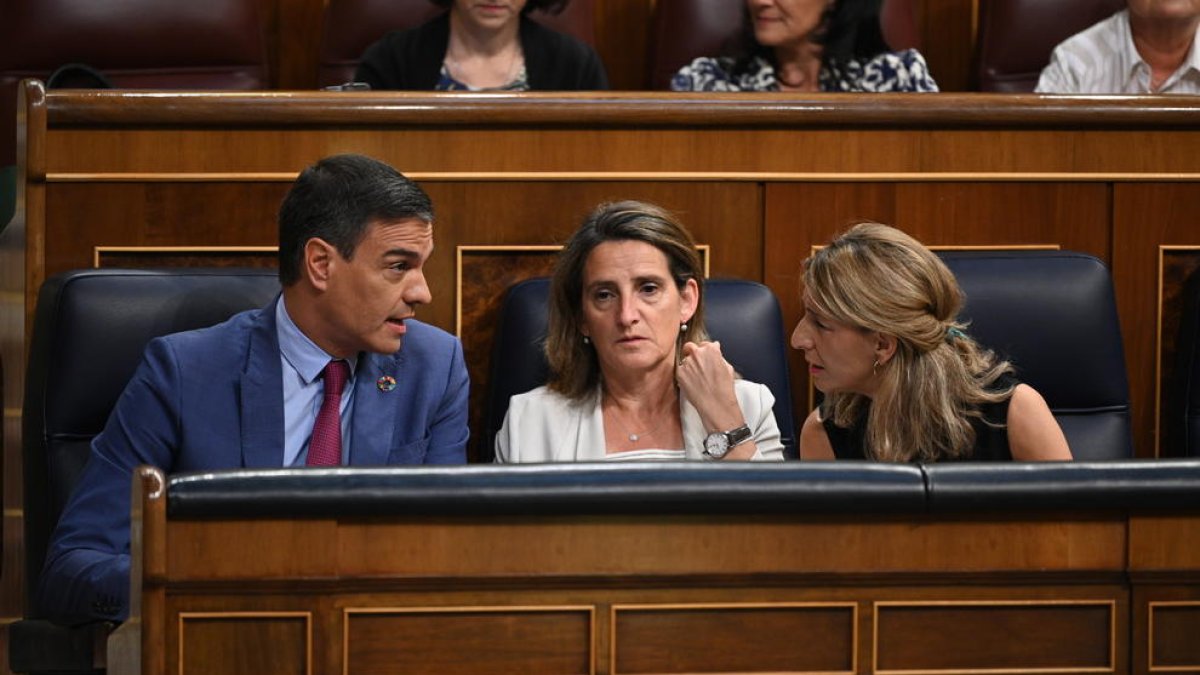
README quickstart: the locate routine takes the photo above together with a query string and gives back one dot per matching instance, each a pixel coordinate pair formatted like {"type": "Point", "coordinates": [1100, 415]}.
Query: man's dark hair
{"type": "Point", "coordinates": [336, 199]}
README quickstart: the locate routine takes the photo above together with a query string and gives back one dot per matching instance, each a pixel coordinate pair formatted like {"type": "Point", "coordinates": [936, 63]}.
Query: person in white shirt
{"type": "Point", "coordinates": [633, 374]}
{"type": "Point", "coordinates": [1148, 48]}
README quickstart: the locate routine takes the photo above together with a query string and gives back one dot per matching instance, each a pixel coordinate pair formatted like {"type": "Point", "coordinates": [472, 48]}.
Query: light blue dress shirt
{"type": "Point", "coordinates": [303, 390]}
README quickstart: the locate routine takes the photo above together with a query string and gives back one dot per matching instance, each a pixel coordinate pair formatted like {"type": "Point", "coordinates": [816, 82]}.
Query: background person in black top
{"type": "Point", "coordinates": [483, 45]}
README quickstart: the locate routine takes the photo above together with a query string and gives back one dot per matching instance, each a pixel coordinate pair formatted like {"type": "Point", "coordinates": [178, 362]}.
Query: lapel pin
{"type": "Point", "coordinates": [386, 383]}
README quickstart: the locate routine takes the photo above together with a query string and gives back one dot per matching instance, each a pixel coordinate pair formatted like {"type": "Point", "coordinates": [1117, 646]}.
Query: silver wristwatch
{"type": "Point", "coordinates": [718, 443]}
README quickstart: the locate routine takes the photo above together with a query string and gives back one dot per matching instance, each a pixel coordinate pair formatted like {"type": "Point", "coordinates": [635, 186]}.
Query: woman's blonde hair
{"type": "Point", "coordinates": [878, 278]}
{"type": "Point", "coordinates": [574, 367]}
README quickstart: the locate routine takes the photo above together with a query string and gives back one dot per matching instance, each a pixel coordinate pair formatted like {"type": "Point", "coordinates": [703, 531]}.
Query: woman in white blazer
{"type": "Point", "coordinates": [633, 374]}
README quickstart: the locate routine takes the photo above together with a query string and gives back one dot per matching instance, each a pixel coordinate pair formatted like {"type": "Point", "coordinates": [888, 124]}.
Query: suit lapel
{"type": "Point", "coordinates": [375, 405]}
{"type": "Point", "coordinates": [262, 396]}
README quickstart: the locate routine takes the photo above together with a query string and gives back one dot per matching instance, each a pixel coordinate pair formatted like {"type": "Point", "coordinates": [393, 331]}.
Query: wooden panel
{"type": "Point", "coordinates": [81, 217]}
{"type": "Point", "coordinates": [622, 40]}
{"type": "Point", "coordinates": [726, 216]}
{"type": "Point", "coordinates": [1173, 630]}
{"type": "Point", "coordinates": [734, 638]}
{"type": "Point", "coordinates": [962, 637]}
{"type": "Point", "coordinates": [136, 257]}
{"type": "Point", "coordinates": [249, 643]}
{"type": "Point", "coordinates": [508, 547]}
{"type": "Point", "coordinates": [294, 40]}
{"type": "Point", "coordinates": [948, 41]}
{"type": "Point", "coordinates": [1144, 218]}
{"type": "Point", "coordinates": [251, 549]}
{"type": "Point", "coordinates": [802, 215]}
{"type": "Point", "coordinates": [1178, 267]}
{"type": "Point", "coordinates": [480, 641]}
{"type": "Point", "coordinates": [1166, 542]}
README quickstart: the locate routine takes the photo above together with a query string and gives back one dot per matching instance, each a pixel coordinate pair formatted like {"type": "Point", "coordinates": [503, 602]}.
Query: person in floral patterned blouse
{"type": "Point", "coordinates": [809, 45]}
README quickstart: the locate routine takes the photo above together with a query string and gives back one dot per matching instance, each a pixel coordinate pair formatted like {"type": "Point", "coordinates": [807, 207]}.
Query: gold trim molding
{"type": "Point", "coordinates": [98, 251]}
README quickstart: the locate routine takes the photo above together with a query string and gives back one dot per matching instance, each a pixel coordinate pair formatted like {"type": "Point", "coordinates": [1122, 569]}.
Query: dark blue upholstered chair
{"type": "Point", "coordinates": [1054, 314]}
{"type": "Point", "coordinates": [89, 331]}
{"type": "Point", "coordinates": [744, 316]}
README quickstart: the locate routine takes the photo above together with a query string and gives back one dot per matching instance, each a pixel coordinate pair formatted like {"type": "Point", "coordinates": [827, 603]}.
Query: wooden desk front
{"type": "Point", "coordinates": [1054, 592]}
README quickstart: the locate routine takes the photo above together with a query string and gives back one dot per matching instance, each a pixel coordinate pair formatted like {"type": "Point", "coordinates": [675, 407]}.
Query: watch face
{"type": "Point", "coordinates": [716, 445]}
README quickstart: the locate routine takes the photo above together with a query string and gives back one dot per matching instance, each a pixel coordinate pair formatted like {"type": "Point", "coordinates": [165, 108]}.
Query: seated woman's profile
{"type": "Point", "coordinates": [902, 379]}
{"type": "Point", "coordinates": [633, 375]}
{"type": "Point", "coordinates": [809, 45]}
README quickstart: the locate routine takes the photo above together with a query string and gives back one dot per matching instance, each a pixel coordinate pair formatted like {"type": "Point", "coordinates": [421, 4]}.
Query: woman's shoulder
{"type": "Point", "coordinates": [545, 401]}
{"type": "Point", "coordinates": [895, 71]}
{"type": "Point", "coordinates": [558, 61]}
{"type": "Point", "coordinates": [437, 29]}
{"type": "Point", "coordinates": [716, 73]}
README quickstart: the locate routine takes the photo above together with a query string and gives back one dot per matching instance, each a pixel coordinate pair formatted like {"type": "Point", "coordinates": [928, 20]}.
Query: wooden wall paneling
{"type": "Point", "coordinates": [296, 42]}
{"type": "Point", "coordinates": [1179, 277]}
{"type": "Point", "coordinates": [82, 216]}
{"type": "Point", "coordinates": [506, 548]}
{"type": "Point", "coordinates": [799, 216]}
{"type": "Point", "coordinates": [622, 40]}
{"type": "Point", "coordinates": [948, 41]}
{"type": "Point", "coordinates": [739, 638]}
{"type": "Point", "coordinates": [1146, 216]}
{"type": "Point", "coordinates": [1165, 618]}
{"type": "Point", "coordinates": [245, 643]}
{"type": "Point", "coordinates": [987, 636]}
{"type": "Point", "coordinates": [470, 640]}
{"type": "Point", "coordinates": [19, 250]}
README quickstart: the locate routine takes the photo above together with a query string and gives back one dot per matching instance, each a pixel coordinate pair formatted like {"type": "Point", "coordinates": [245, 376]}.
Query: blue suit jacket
{"type": "Point", "coordinates": [213, 399]}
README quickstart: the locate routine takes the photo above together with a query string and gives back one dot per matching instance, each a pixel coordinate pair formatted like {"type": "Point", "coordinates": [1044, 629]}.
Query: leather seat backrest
{"type": "Point", "coordinates": [136, 44]}
{"type": "Point", "coordinates": [1016, 37]}
{"type": "Point", "coordinates": [743, 315]}
{"type": "Point", "coordinates": [350, 26]}
{"type": "Point", "coordinates": [683, 30]}
{"type": "Point", "coordinates": [1053, 313]}
{"type": "Point", "coordinates": [89, 331]}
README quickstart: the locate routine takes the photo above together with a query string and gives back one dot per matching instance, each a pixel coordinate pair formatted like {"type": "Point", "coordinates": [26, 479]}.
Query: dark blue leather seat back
{"type": "Point", "coordinates": [743, 315]}
{"type": "Point", "coordinates": [89, 331]}
{"type": "Point", "coordinates": [1054, 315]}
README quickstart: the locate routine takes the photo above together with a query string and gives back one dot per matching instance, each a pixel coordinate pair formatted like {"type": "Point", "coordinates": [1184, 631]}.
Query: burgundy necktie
{"type": "Point", "coordinates": [325, 448]}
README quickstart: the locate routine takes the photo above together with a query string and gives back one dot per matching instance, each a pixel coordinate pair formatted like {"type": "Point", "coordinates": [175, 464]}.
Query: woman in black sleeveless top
{"type": "Point", "coordinates": [901, 378]}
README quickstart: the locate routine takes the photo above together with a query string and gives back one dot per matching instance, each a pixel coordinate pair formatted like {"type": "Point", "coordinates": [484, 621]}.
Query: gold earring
{"type": "Point", "coordinates": [875, 367]}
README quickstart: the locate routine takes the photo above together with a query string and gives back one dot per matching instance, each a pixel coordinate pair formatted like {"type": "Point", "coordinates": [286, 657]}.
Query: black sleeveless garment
{"type": "Point", "coordinates": [991, 442]}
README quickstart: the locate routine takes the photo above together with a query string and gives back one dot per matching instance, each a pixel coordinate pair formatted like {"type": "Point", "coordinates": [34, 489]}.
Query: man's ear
{"type": "Point", "coordinates": [885, 347]}
{"type": "Point", "coordinates": [319, 258]}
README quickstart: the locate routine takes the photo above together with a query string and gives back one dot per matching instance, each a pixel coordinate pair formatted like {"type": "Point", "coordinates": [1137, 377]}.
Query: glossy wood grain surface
{"type": "Point", "coordinates": [1052, 592]}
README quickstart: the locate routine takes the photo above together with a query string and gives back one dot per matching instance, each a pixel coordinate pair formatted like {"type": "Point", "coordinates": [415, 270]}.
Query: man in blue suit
{"type": "Point", "coordinates": [335, 371]}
